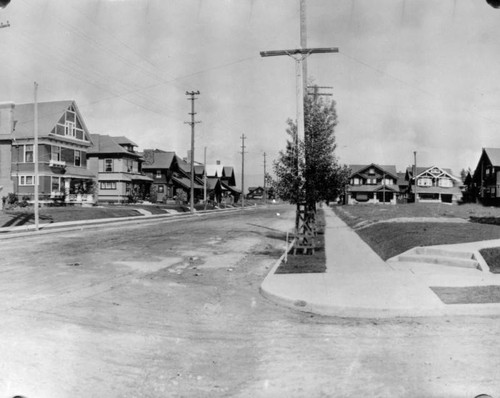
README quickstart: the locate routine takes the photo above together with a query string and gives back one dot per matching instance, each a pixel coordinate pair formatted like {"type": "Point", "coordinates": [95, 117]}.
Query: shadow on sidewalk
{"type": "Point", "coordinates": [22, 219]}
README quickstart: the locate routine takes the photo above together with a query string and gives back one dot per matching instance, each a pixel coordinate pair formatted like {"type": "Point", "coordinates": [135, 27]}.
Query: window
{"type": "Point", "coordinates": [161, 189]}
{"type": "Point", "coordinates": [26, 180]}
{"type": "Point", "coordinates": [55, 153]}
{"type": "Point", "coordinates": [445, 182]}
{"type": "Point", "coordinates": [108, 165]}
{"type": "Point", "coordinates": [127, 187]}
{"type": "Point", "coordinates": [129, 165]}
{"type": "Point", "coordinates": [424, 182]}
{"type": "Point", "coordinates": [55, 184]}
{"type": "Point", "coordinates": [158, 173]}
{"type": "Point", "coordinates": [69, 129]}
{"type": "Point", "coordinates": [371, 171]}
{"type": "Point", "coordinates": [28, 153]}
{"type": "Point", "coordinates": [78, 158]}
{"type": "Point", "coordinates": [108, 185]}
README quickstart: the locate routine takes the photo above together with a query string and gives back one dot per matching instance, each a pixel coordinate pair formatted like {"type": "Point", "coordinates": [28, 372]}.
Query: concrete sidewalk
{"type": "Point", "coordinates": [358, 283]}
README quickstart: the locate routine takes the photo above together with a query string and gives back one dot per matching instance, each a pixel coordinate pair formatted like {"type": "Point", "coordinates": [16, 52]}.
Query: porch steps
{"type": "Point", "coordinates": [430, 255]}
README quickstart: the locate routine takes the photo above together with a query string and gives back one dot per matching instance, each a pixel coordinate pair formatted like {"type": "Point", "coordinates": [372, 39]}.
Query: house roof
{"type": "Point", "coordinates": [186, 182]}
{"type": "Point", "coordinates": [422, 170]}
{"type": "Point", "coordinates": [49, 114]}
{"type": "Point", "coordinates": [442, 190]}
{"type": "Point", "coordinates": [107, 144]}
{"type": "Point", "coordinates": [230, 187]}
{"type": "Point", "coordinates": [122, 140]}
{"type": "Point", "coordinates": [157, 159]}
{"type": "Point", "coordinates": [228, 171]}
{"type": "Point", "coordinates": [359, 168]}
{"type": "Point", "coordinates": [212, 182]}
{"type": "Point", "coordinates": [372, 188]}
{"type": "Point", "coordinates": [494, 155]}
{"type": "Point", "coordinates": [214, 170]}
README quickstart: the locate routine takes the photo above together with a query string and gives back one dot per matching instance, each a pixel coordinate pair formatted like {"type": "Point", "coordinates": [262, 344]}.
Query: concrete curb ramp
{"type": "Point", "coordinates": [357, 283]}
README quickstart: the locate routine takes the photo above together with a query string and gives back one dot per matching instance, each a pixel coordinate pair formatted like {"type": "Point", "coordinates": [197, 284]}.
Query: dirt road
{"type": "Point", "coordinates": [173, 310]}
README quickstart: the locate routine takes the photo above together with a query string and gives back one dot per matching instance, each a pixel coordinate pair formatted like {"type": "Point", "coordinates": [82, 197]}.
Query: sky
{"type": "Point", "coordinates": [410, 76]}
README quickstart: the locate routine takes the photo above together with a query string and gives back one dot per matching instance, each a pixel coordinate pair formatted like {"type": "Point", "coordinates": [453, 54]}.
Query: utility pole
{"type": "Point", "coordinates": [205, 177]}
{"type": "Point", "coordinates": [192, 98]}
{"type": "Point", "coordinates": [265, 191]}
{"type": "Point", "coordinates": [415, 175]}
{"type": "Point", "coordinates": [303, 222]}
{"type": "Point", "coordinates": [35, 153]}
{"type": "Point", "coordinates": [243, 137]}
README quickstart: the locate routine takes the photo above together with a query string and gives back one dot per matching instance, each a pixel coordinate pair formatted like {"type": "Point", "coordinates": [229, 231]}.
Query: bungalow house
{"type": "Point", "coordinates": [372, 184]}
{"type": "Point", "coordinates": [485, 182]}
{"type": "Point", "coordinates": [63, 143]}
{"type": "Point", "coordinates": [258, 193]}
{"type": "Point", "coordinates": [171, 176]}
{"type": "Point", "coordinates": [433, 184]}
{"type": "Point", "coordinates": [226, 176]}
{"type": "Point", "coordinates": [118, 169]}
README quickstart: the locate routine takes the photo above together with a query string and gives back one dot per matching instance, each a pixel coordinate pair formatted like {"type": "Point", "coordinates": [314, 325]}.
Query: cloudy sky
{"type": "Point", "coordinates": [411, 75]}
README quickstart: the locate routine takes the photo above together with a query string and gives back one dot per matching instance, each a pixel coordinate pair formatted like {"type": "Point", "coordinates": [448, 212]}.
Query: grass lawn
{"type": "Point", "coordinates": [308, 263]}
{"type": "Point", "coordinates": [353, 215]}
{"type": "Point", "coordinates": [390, 239]}
{"type": "Point", "coordinates": [468, 295]}
{"type": "Point", "coordinates": [492, 257]}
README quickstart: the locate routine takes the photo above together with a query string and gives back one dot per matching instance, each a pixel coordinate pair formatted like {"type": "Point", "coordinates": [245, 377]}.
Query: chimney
{"type": "Point", "coordinates": [218, 162]}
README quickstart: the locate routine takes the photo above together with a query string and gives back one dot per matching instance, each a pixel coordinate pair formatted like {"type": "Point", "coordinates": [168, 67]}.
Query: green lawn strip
{"type": "Point", "coordinates": [492, 257]}
{"type": "Point", "coordinates": [390, 239]}
{"type": "Point", "coordinates": [468, 295]}
{"type": "Point", "coordinates": [308, 263]}
{"type": "Point", "coordinates": [369, 212]}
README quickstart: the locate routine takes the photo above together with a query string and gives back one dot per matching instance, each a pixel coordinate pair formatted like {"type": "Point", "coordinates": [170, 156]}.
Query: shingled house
{"type": "Point", "coordinates": [372, 183]}
{"type": "Point", "coordinates": [63, 144]}
{"type": "Point", "coordinates": [118, 168]}
{"type": "Point", "coordinates": [433, 184]}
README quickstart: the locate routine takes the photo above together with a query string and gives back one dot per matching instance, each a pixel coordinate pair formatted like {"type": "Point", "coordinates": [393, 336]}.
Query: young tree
{"type": "Point", "coordinates": [316, 171]}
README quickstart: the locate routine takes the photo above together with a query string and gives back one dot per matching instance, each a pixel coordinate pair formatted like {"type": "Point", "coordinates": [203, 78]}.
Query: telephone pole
{"type": "Point", "coordinates": [305, 217]}
{"type": "Point", "coordinates": [265, 192]}
{"type": "Point", "coordinates": [192, 95]}
{"type": "Point", "coordinates": [243, 138]}
{"type": "Point", "coordinates": [35, 153]}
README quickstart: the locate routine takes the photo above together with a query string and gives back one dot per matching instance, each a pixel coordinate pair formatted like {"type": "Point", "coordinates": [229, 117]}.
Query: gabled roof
{"type": "Point", "coordinates": [157, 159]}
{"type": "Point", "coordinates": [360, 168]}
{"type": "Point", "coordinates": [493, 155]}
{"type": "Point", "coordinates": [423, 170]}
{"type": "Point", "coordinates": [199, 169]}
{"type": "Point", "coordinates": [228, 171]}
{"type": "Point", "coordinates": [214, 170]}
{"type": "Point", "coordinates": [105, 144]}
{"type": "Point", "coordinates": [122, 140]}
{"type": "Point", "coordinates": [49, 114]}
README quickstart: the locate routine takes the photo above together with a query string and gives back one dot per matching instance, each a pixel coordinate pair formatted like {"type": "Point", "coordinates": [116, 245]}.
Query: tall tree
{"type": "Point", "coordinates": [317, 170]}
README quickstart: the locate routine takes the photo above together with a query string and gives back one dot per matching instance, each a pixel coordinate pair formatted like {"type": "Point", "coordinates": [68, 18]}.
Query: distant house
{"type": "Point", "coordinates": [226, 176]}
{"type": "Point", "coordinates": [118, 168]}
{"type": "Point", "coordinates": [433, 184]}
{"type": "Point", "coordinates": [485, 182]}
{"type": "Point", "coordinates": [372, 183]}
{"type": "Point", "coordinates": [258, 193]}
{"type": "Point", "coordinates": [63, 144]}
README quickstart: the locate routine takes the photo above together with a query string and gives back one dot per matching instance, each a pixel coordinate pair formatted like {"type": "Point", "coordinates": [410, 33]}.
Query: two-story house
{"type": "Point", "coordinates": [372, 183]}
{"type": "Point", "coordinates": [485, 182]}
{"type": "Point", "coordinates": [63, 143]}
{"type": "Point", "coordinates": [227, 179]}
{"type": "Point", "coordinates": [118, 168]}
{"type": "Point", "coordinates": [433, 184]}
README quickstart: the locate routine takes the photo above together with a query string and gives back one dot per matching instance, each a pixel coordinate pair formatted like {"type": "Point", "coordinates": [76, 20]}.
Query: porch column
{"type": "Point", "coordinates": [66, 189]}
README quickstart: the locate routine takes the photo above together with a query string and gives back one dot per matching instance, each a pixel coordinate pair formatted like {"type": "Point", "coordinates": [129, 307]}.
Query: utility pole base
{"type": "Point", "coordinates": [305, 232]}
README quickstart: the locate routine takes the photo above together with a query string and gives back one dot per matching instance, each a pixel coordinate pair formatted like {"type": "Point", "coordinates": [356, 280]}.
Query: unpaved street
{"type": "Point", "coordinates": [173, 310]}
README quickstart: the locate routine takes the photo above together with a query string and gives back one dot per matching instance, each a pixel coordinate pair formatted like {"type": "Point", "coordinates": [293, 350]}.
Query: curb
{"type": "Point", "coordinates": [29, 230]}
